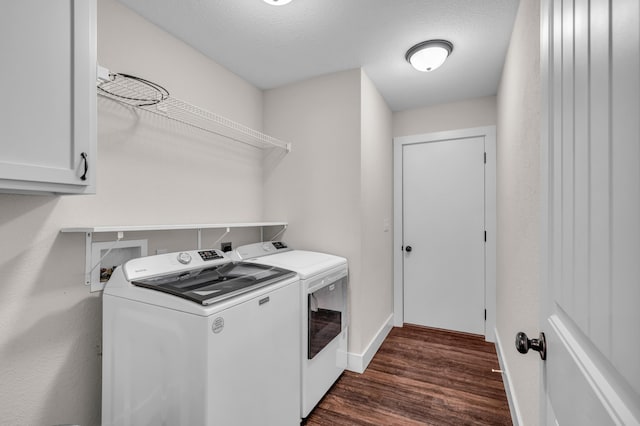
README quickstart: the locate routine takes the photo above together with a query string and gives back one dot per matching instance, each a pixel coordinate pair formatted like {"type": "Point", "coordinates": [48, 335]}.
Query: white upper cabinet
{"type": "Point", "coordinates": [47, 80]}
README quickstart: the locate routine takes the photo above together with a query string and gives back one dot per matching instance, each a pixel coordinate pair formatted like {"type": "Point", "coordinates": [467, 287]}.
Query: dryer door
{"type": "Point", "coordinates": [326, 315]}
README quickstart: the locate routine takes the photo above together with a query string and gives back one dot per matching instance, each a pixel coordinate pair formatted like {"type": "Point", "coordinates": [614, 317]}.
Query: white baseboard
{"type": "Point", "coordinates": [516, 416]}
{"type": "Point", "coordinates": [359, 362]}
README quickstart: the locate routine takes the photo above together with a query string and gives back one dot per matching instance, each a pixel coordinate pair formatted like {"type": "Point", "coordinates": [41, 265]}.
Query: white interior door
{"type": "Point", "coordinates": [443, 227]}
{"type": "Point", "coordinates": [591, 195]}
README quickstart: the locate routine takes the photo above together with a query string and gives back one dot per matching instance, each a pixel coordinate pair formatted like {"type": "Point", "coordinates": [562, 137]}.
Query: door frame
{"type": "Point", "coordinates": [489, 134]}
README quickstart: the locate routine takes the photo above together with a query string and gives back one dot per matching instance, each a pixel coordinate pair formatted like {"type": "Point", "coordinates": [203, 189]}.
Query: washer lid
{"type": "Point", "coordinates": [305, 263]}
{"type": "Point", "coordinates": [216, 283]}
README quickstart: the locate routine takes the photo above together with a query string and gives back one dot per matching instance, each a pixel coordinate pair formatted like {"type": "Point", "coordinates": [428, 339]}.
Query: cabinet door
{"type": "Point", "coordinates": [47, 81]}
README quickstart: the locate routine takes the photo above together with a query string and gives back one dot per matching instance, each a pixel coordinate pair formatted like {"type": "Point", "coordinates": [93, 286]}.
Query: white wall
{"type": "Point", "coordinates": [452, 116]}
{"type": "Point", "coordinates": [316, 187]}
{"type": "Point", "coordinates": [518, 207]}
{"type": "Point", "coordinates": [148, 172]}
{"type": "Point", "coordinates": [334, 188]}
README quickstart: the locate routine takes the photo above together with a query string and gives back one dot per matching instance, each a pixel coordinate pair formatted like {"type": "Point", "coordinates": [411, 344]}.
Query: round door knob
{"type": "Point", "coordinates": [408, 249]}
{"type": "Point", "coordinates": [523, 344]}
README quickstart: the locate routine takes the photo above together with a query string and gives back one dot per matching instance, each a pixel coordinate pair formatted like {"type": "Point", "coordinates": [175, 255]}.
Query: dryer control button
{"type": "Point", "coordinates": [184, 258]}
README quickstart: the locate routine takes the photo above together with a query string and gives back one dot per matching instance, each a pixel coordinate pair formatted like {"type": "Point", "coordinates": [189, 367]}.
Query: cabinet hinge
{"type": "Point", "coordinates": [485, 236]}
{"type": "Point", "coordinates": [485, 314]}
{"type": "Point", "coordinates": [485, 158]}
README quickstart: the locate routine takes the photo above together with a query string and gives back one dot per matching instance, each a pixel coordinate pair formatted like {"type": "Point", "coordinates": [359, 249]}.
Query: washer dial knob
{"type": "Point", "coordinates": [184, 258]}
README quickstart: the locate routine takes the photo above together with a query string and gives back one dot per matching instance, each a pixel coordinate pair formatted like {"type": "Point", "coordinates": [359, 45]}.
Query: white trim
{"type": "Point", "coordinates": [489, 134]}
{"type": "Point", "coordinates": [490, 224]}
{"type": "Point", "coordinates": [398, 283]}
{"type": "Point", "coordinates": [359, 362]}
{"type": "Point", "coordinates": [514, 407]}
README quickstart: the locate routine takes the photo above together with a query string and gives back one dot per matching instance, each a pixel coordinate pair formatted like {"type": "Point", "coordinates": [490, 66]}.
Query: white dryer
{"type": "Point", "coordinates": [194, 338]}
{"type": "Point", "coordinates": [323, 297]}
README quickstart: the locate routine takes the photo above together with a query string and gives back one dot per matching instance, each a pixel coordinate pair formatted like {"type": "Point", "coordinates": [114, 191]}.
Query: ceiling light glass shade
{"type": "Point", "coordinates": [277, 2]}
{"type": "Point", "coordinates": [429, 55]}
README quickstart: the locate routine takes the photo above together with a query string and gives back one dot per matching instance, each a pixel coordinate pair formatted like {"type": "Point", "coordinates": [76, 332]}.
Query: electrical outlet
{"type": "Point", "coordinates": [225, 247]}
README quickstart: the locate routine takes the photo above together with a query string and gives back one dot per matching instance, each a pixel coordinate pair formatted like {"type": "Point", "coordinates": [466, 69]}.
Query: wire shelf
{"type": "Point", "coordinates": [151, 97]}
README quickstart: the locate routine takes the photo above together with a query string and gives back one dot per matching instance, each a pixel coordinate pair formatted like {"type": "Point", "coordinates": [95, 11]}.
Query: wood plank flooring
{"type": "Point", "coordinates": [420, 376]}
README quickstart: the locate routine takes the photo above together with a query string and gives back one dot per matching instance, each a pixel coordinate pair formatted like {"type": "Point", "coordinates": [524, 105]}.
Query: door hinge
{"type": "Point", "coordinates": [485, 158]}
{"type": "Point", "coordinates": [485, 314]}
{"type": "Point", "coordinates": [485, 236]}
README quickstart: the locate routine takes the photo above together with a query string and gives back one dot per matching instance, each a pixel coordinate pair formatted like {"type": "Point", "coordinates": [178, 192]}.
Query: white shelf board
{"type": "Point", "coordinates": [195, 226]}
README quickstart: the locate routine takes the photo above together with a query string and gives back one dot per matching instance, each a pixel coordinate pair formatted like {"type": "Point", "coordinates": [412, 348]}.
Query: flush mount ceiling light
{"type": "Point", "coordinates": [277, 2]}
{"type": "Point", "coordinates": [429, 55]}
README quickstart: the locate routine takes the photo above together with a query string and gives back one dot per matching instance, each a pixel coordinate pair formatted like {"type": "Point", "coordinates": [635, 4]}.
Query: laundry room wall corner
{"type": "Point", "coordinates": [374, 302]}
{"type": "Point", "coordinates": [316, 187]}
{"type": "Point", "coordinates": [334, 188]}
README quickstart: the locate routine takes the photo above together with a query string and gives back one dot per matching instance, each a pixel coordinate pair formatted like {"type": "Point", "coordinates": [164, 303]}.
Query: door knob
{"type": "Point", "coordinates": [523, 344]}
{"type": "Point", "coordinates": [408, 249]}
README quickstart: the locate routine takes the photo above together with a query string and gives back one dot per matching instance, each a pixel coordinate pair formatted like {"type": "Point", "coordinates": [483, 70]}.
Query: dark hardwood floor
{"type": "Point", "coordinates": [420, 376]}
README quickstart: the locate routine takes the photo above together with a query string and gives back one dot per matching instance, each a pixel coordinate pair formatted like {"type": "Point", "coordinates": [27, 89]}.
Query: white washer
{"type": "Point", "coordinates": [195, 339]}
{"type": "Point", "coordinates": [323, 279]}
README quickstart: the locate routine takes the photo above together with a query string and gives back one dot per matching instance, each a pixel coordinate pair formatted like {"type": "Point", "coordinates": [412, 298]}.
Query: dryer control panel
{"type": "Point", "coordinates": [251, 251]}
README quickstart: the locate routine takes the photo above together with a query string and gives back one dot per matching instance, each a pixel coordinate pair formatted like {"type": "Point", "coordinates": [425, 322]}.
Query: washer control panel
{"type": "Point", "coordinates": [169, 263]}
{"type": "Point", "coordinates": [210, 255]}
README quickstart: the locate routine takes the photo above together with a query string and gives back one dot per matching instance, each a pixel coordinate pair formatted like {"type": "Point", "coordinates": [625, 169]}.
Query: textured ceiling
{"type": "Point", "coordinates": [271, 46]}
